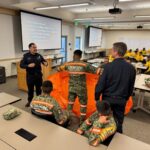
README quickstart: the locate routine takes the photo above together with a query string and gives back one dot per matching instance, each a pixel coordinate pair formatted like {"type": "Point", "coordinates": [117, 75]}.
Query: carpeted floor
{"type": "Point", "coordinates": [136, 125]}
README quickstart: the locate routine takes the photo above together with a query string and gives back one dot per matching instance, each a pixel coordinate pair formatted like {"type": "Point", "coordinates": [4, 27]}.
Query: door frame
{"type": "Point", "coordinates": [66, 37]}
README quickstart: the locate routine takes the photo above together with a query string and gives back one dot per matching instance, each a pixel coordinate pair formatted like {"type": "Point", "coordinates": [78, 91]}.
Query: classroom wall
{"type": "Point", "coordinates": [11, 47]}
{"type": "Point", "coordinates": [11, 43]}
{"type": "Point", "coordinates": [133, 39]}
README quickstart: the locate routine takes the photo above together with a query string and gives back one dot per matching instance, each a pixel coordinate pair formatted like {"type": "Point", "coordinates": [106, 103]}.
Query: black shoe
{"type": "Point", "coordinates": [28, 104]}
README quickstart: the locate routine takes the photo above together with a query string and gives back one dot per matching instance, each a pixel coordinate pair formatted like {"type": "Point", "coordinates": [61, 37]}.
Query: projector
{"type": "Point", "coordinates": [139, 27]}
{"type": "Point", "coordinates": [115, 11]}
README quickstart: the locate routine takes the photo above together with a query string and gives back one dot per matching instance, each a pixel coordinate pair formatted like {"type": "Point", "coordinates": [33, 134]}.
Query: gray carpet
{"type": "Point", "coordinates": [136, 125]}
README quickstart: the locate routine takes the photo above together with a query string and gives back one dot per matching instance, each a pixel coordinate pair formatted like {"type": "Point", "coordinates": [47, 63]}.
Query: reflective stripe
{"type": "Point", "coordinates": [77, 72]}
{"type": "Point", "coordinates": [43, 112]}
{"type": "Point", "coordinates": [96, 130]}
{"type": "Point", "coordinates": [75, 64]}
{"type": "Point", "coordinates": [83, 105]}
{"type": "Point", "coordinates": [83, 114]}
{"type": "Point", "coordinates": [50, 106]}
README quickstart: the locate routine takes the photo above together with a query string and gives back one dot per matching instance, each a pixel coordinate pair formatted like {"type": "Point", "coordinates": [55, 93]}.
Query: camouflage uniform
{"type": "Point", "coordinates": [95, 131]}
{"type": "Point", "coordinates": [11, 114]}
{"type": "Point", "coordinates": [77, 84]}
{"type": "Point", "coordinates": [45, 104]}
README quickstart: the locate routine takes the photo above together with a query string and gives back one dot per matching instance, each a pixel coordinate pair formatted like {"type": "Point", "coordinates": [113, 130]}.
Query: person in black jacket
{"type": "Point", "coordinates": [32, 63]}
{"type": "Point", "coordinates": [116, 83]}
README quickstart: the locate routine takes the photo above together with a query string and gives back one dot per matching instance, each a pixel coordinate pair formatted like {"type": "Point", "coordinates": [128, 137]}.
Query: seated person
{"type": "Point", "coordinates": [143, 51]}
{"type": "Point", "coordinates": [148, 65]}
{"type": "Point", "coordinates": [138, 56]}
{"type": "Point", "coordinates": [100, 125]}
{"type": "Point", "coordinates": [47, 107]}
{"type": "Point", "coordinates": [129, 53]}
{"type": "Point", "coordinates": [137, 50]}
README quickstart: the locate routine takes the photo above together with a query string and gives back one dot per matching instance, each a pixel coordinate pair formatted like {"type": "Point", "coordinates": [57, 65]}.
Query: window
{"type": "Point", "coordinates": [78, 43]}
{"type": "Point", "coordinates": [63, 50]}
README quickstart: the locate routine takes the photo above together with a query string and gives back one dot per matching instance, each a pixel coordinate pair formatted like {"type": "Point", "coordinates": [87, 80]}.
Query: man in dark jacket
{"type": "Point", "coordinates": [116, 83]}
{"type": "Point", "coordinates": [32, 63]}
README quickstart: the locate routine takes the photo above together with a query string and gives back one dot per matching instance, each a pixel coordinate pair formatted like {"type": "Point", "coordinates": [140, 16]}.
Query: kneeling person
{"type": "Point", "coordinates": [47, 107]}
{"type": "Point", "coordinates": [100, 125]}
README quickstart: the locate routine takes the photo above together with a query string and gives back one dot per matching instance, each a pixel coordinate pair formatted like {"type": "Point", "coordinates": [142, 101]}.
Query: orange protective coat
{"type": "Point", "coordinates": [60, 92]}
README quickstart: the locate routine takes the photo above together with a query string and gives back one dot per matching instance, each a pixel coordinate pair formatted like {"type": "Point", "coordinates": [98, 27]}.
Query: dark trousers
{"type": "Point", "coordinates": [118, 109]}
{"type": "Point", "coordinates": [50, 118]}
{"type": "Point", "coordinates": [33, 81]}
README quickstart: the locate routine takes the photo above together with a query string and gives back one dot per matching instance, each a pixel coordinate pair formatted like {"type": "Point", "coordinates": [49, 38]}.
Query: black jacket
{"type": "Point", "coordinates": [29, 58]}
{"type": "Point", "coordinates": [117, 81]}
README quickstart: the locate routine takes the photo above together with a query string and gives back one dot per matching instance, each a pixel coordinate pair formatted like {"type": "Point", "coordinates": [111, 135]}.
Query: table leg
{"type": "Point", "coordinates": [141, 102]}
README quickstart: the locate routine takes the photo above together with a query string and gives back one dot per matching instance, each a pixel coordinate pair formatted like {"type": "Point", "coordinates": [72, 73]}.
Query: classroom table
{"type": "Point", "coordinates": [123, 142]}
{"type": "Point", "coordinates": [6, 99]}
{"type": "Point", "coordinates": [139, 67]}
{"type": "Point", "coordinates": [49, 135]}
{"type": "Point", "coordinates": [96, 60]}
{"type": "Point", "coordinates": [140, 85]}
{"type": "Point", "coordinates": [5, 146]}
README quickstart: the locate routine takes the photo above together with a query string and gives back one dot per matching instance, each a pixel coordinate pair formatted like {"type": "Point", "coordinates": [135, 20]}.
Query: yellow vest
{"type": "Point", "coordinates": [148, 65]}
{"type": "Point", "coordinates": [133, 54]}
{"type": "Point", "coordinates": [143, 52]}
{"type": "Point", "coordinates": [128, 54]}
{"type": "Point", "coordinates": [139, 57]}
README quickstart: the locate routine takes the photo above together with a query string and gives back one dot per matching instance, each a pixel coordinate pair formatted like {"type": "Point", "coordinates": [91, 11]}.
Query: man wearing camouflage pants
{"type": "Point", "coordinates": [77, 83]}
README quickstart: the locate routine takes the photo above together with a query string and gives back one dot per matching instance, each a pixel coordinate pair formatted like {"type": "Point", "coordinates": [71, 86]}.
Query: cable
{"type": "Point", "coordinates": [115, 3]}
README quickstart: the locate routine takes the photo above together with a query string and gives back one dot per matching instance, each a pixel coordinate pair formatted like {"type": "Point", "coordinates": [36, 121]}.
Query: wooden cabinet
{"type": "Point", "coordinates": [21, 74]}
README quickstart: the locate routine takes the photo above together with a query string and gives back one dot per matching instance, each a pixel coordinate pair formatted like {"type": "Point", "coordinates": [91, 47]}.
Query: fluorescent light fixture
{"type": "Point", "coordinates": [94, 18]}
{"type": "Point", "coordinates": [126, 0]}
{"type": "Point", "coordinates": [82, 19]}
{"type": "Point", "coordinates": [115, 25]}
{"type": "Point", "coordinates": [142, 5]}
{"type": "Point", "coordinates": [61, 6]}
{"type": "Point", "coordinates": [107, 25]}
{"type": "Point", "coordinates": [146, 24]}
{"type": "Point", "coordinates": [44, 8]}
{"type": "Point", "coordinates": [74, 5]}
{"type": "Point", "coordinates": [103, 18]}
{"type": "Point", "coordinates": [142, 16]}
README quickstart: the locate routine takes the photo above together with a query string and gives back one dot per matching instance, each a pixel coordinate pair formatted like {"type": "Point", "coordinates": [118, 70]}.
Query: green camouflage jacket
{"type": "Point", "coordinates": [48, 105]}
{"type": "Point", "coordinates": [77, 71]}
{"type": "Point", "coordinates": [95, 131]}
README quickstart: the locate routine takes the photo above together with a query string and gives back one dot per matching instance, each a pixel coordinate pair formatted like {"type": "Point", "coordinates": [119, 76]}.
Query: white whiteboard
{"type": "Point", "coordinates": [95, 37]}
{"type": "Point", "coordinates": [44, 31]}
{"type": "Point", "coordinates": [134, 43]}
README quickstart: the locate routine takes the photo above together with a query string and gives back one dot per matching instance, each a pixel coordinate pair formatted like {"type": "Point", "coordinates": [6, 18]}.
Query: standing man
{"type": "Point", "coordinates": [77, 83]}
{"type": "Point", "coordinates": [116, 83]}
{"type": "Point", "coordinates": [32, 63]}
